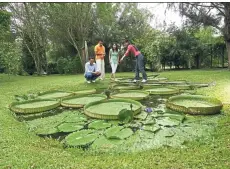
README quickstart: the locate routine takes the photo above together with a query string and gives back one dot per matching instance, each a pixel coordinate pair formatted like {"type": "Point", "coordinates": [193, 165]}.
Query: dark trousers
{"type": "Point", "coordinates": [140, 67]}
{"type": "Point", "coordinates": [90, 76]}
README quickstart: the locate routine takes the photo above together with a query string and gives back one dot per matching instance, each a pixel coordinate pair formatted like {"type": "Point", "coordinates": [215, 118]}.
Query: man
{"type": "Point", "coordinates": [100, 55]}
{"type": "Point", "coordinates": [91, 73]}
{"type": "Point", "coordinates": [139, 61]}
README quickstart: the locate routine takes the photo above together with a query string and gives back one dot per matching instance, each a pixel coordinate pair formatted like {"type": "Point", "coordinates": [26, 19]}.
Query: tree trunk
{"type": "Point", "coordinates": [222, 60]}
{"type": "Point", "coordinates": [227, 29]}
{"type": "Point", "coordinates": [211, 57]}
{"type": "Point", "coordinates": [197, 61]}
{"type": "Point", "coordinates": [228, 51]}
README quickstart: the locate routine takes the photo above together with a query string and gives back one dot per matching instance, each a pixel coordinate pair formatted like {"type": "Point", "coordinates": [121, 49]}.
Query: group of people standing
{"type": "Point", "coordinates": [97, 70]}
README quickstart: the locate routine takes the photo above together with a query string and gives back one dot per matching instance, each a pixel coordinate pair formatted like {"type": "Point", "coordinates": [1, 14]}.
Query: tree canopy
{"type": "Point", "coordinates": [49, 37]}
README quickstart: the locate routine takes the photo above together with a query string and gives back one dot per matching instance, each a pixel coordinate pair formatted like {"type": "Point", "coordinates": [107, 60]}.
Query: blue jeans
{"type": "Point", "coordinates": [90, 76]}
{"type": "Point", "coordinates": [140, 67]}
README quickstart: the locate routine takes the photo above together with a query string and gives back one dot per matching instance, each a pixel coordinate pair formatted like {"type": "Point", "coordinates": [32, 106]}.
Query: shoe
{"type": "Point", "coordinates": [88, 82]}
{"type": "Point", "coordinates": [93, 81]}
{"type": "Point", "coordinates": [134, 81]}
{"type": "Point", "coordinates": [144, 81]}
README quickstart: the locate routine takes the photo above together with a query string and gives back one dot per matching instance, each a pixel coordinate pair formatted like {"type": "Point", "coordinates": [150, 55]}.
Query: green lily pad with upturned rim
{"type": "Point", "coordinates": [84, 92]}
{"type": "Point", "coordinates": [134, 95]}
{"type": "Point", "coordinates": [126, 87]}
{"type": "Point", "coordinates": [194, 104]}
{"type": "Point", "coordinates": [162, 91]}
{"type": "Point", "coordinates": [34, 106]}
{"type": "Point", "coordinates": [109, 109]}
{"type": "Point", "coordinates": [54, 94]}
{"type": "Point", "coordinates": [80, 101]}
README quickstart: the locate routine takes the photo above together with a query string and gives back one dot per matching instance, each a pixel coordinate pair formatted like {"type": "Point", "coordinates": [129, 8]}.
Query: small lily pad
{"type": "Point", "coordinates": [114, 122]}
{"type": "Point", "coordinates": [46, 130]}
{"type": "Point", "coordinates": [69, 127]}
{"type": "Point", "coordinates": [111, 132]}
{"type": "Point", "coordinates": [167, 132]}
{"type": "Point", "coordinates": [74, 118]}
{"type": "Point", "coordinates": [141, 116]}
{"type": "Point", "coordinates": [104, 143]}
{"type": "Point", "coordinates": [149, 121]}
{"type": "Point", "coordinates": [168, 122]}
{"type": "Point", "coordinates": [146, 134]}
{"type": "Point", "coordinates": [124, 133]}
{"type": "Point", "coordinates": [81, 138]}
{"type": "Point", "coordinates": [118, 133]}
{"type": "Point", "coordinates": [153, 129]}
{"type": "Point", "coordinates": [179, 117]}
{"type": "Point", "coordinates": [99, 124]}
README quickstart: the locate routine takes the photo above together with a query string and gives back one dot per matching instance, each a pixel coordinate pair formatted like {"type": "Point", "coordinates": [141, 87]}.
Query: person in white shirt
{"type": "Point", "coordinates": [91, 72]}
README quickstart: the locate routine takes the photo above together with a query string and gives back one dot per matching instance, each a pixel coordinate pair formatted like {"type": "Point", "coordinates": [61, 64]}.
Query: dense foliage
{"type": "Point", "coordinates": [49, 38]}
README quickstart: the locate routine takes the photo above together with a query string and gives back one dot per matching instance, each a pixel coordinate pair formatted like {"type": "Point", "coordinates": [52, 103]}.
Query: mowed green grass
{"type": "Point", "coordinates": [21, 149]}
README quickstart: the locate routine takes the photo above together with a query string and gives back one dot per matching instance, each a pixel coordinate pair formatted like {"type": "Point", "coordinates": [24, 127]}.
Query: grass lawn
{"type": "Point", "coordinates": [21, 149]}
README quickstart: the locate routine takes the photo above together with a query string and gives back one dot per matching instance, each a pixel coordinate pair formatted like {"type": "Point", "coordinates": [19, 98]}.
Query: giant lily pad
{"type": "Point", "coordinates": [34, 106]}
{"type": "Point", "coordinates": [199, 85]}
{"type": "Point", "coordinates": [109, 109]}
{"type": "Point", "coordinates": [83, 92]}
{"type": "Point", "coordinates": [81, 138]}
{"type": "Point", "coordinates": [126, 87]}
{"type": "Point", "coordinates": [161, 79]}
{"type": "Point", "coordinates": [179, 82]}
{"type": "Point", "coordinates": [80, 101]}
{"type": "Point", "coordinates": [194, 104]}
{"type": "Point", "coordinates": [54, 94]}
{"type": "Point", "coordinates": [134, 95]}
{"type": "Point", "coordinates": [182, 86]}
{"type": "Point", "coordinates": [163, 91]}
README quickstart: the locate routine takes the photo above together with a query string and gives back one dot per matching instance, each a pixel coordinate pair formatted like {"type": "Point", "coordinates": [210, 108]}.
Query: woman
{"type": "Point", "coordinates": [113, 60]}
{"type": "Point", "coordinates": [139, 61]}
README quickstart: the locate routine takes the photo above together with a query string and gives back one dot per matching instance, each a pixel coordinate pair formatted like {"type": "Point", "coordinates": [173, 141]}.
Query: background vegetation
{"type": "Point", "coordinates": [38, 38]}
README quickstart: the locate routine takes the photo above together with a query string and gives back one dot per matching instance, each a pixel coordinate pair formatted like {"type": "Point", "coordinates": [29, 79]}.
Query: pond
{"type": "Point", "coordinates": [157, 127]}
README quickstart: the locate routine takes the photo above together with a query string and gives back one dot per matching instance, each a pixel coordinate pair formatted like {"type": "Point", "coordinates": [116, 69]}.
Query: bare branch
{"type": "Point", "coordinates": [205, 6]}
{"type": "Point", "coordinates": [218, 8]}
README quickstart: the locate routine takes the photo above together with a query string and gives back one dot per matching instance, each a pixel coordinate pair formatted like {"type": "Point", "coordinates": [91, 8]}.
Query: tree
{"type": "Point", "coordinates": [72, 26]}
{"type": "Point", "coordinates": [31, 24]}
{"type": "Point", "coordinates": [209, 14]}
{"type": "Point", "coordinates": [10, 55]}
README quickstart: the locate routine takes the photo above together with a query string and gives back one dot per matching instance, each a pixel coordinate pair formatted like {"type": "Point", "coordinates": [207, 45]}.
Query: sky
{"type": "Point", "coordinates": [158, 9]}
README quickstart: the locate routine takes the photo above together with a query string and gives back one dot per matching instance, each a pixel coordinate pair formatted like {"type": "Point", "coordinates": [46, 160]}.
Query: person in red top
{"type": "Point", "coordinates": [139, 61]}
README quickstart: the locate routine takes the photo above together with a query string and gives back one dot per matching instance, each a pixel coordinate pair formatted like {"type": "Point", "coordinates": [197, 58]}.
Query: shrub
{"type": "Point", "coordinates": [61, 64]}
